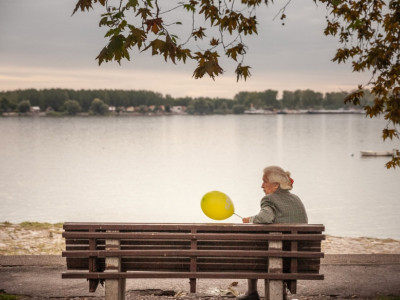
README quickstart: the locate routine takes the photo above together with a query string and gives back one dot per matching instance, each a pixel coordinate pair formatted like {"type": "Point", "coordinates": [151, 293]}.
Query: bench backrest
{"type": "Point", "coordinates": [199, 248]}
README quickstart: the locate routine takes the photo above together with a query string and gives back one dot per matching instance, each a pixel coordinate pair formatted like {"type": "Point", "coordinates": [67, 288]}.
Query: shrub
{"type": "Point", "coordinates": [24, 106]}
{"type": "Point", "coordinates": [238, 109]}
{"type": "Point", "coordinates": [98, 107]}
{"type": "Point", "coordinates": [72, 107]}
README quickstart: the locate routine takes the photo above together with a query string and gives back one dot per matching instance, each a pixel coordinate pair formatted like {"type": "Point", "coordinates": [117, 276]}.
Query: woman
{"type": "Point", "coordinates": [278, 206]}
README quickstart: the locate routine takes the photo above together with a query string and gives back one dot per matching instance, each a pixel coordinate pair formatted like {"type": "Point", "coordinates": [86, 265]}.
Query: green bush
{"type": "Point", "coordinates": [24, 106]}
{"type": "Point", "coordinates": [6, 105]}
{"type": "Point", "coordinates": [72, 107]}
{"type": "Point", "coordinates": [98, 107]}
{"type": "Point", "coordinates": [238, 109]}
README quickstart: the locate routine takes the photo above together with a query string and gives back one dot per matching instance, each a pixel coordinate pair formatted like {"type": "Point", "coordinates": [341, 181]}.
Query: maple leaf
{"type": "Point", "coordinates": [83, 4]}
{"type": "Point", "coordinates": [354, 97]}
{"type": "Point", "coordinates": [234, 51]}
{"type": "Point", "coordinates": [132, 3]}
{"type": "Point", "coordinates": [389, 133]}
{"type": "Point", "coordinates": [242, 71]}
{"type": "Point", "coordinates": [214, 42]}
{"type": "Point", "coordinates": [207, 63]}
{"type": "Point", "coordinates": [157, 46]}
{"type": "Point", "coordinates": [199, 33]}
{"type": "Point", "coordinates": [136, 37]}
{"type": "Point", "coordinates": [115, 50]}
{"type": "Point", "coordinates": [144, 13]}
{"type": "Point", "coordinates": [248, 25]}
{"type": "Point", "coordinates": [155, 25]}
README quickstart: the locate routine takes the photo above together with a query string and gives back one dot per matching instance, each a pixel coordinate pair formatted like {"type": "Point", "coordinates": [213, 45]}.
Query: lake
{"type": "Point", "coordinates": [156, 169]}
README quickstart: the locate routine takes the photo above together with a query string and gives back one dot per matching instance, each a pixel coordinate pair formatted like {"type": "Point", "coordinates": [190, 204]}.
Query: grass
{"type": "Point", "coordinates": [39, 225]}
{"type": "Point", "coordinates": [35, 225]}
{"type": "Point", "coordinates": [8, 297]}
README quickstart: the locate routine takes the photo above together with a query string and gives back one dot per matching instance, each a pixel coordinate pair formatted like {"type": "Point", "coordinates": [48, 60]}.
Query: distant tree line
{"type": "Point", "coordinates": [67, 101]}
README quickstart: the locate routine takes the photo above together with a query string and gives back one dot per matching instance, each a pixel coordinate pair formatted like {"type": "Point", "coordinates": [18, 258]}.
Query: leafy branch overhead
{"type": "Point", "coordinates": [368, 32]}
{"type": "Point", "coordinates": [145, 26]}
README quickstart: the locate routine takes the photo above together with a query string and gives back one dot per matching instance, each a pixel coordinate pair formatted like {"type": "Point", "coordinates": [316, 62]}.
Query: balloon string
{"type": "Point", "coordinates": [237, 215]}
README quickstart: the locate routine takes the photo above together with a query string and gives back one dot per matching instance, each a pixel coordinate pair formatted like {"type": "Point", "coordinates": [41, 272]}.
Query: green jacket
{"type": "Point", "coordinates": [281, 207]}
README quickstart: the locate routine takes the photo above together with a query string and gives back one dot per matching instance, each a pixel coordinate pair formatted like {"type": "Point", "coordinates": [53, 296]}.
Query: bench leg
{"type": "Point", "coordinates": [292, 286]}
{"type": "Point", "coordinates": [93, 283]}
{"type": "Point", "coordinates": [115, 289]}
{"type": "Point", "coordinates": [192, 282]}
{"type": "Point", "coordinates": [273, 289]}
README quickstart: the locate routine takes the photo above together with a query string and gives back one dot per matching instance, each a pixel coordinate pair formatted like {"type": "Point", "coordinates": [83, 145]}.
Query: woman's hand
{"type": "Point", "coordinates": [246, 220]}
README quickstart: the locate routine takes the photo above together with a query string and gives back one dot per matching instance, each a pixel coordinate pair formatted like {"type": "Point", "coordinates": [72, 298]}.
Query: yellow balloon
{"type": "Point", "coordinates": [217, 205]}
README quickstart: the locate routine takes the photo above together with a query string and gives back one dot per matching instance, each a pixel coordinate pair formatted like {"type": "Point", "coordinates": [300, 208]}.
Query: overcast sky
{"type": "Point", "coordinates": [43, 46]}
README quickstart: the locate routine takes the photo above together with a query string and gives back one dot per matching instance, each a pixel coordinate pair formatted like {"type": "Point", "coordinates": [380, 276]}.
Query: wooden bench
{"type": "Point", "coordinates": [114, 252]}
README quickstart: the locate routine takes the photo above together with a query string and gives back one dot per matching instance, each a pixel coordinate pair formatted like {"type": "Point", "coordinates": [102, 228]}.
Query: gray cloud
{"type": "Point", "coordinates": [43, 46]}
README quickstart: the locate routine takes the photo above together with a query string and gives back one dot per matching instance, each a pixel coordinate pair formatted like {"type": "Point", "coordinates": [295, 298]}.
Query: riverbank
{"type": "Point", "coordinates": [113, 113]}
{"type": "Point", "coordinates": [33, 238]}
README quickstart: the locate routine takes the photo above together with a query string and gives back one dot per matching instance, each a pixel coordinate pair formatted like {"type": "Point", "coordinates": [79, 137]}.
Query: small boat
{"type": "Point", "coordinates": [377, 153]}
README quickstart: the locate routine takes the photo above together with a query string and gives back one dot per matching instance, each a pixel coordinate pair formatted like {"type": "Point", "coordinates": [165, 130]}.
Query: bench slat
{"type": "Point", "coordinates": [136, 263]}
{"type": "Point", "coordinates": [189, 253]}
{"type": "Point", "coordinates": [189, 226]}
{"type": "Point", "coordinates": [221, 275]}
{"type": "Point", "coordinates": [189, 236]}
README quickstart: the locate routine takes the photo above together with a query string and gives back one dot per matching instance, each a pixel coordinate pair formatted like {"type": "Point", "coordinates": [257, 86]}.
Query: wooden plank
{"type": "Point", "coordinates": [209, 259]}
{"type": "Point", "coordinates": [219, 275]}
{"type": "Point", "coordinates": [189, 226]}
{"type": "Point", "coordinates": [231, 267]}
{"type": "Point", "coordinates": [129, 246]}
{"type": "Point", "coordinates": [190, 253]}
{"type": "Point", "coordinates": [304, 264]}
{"type": "Point", "coordinates": [176, 266]}
{"type": "Point", "coordinates": [187, 236]}
{"type": "Point", "coordinates": [83, 264]}
{"type": "Point", "coordinates": [155, 266]}
{"type": "Point", "coordinates": [234, 260]}
{"type": "Point", "coordinates": [147, 246]}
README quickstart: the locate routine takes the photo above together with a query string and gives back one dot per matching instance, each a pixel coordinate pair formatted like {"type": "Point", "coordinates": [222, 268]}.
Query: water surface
{"type": "Point", "coordinates": [156, 169]}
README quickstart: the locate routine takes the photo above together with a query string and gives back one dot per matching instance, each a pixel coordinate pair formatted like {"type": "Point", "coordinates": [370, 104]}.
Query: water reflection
{"type": "Point", "coordinates": [156, 169]}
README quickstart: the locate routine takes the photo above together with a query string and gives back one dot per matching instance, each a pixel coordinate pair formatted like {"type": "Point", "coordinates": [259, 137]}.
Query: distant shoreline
{"type": "Point", "coordinates": [152, 114]}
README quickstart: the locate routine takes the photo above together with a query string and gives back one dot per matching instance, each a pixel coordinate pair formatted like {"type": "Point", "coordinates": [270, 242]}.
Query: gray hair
{"type": "Point", "coordinates": [276, 174]}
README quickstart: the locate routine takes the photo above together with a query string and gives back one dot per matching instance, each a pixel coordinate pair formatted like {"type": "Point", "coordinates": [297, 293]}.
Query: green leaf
{"type": "Point", "coordinates": [150, 3]}
{"type": "Point", "coordinates": [132, 3]}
